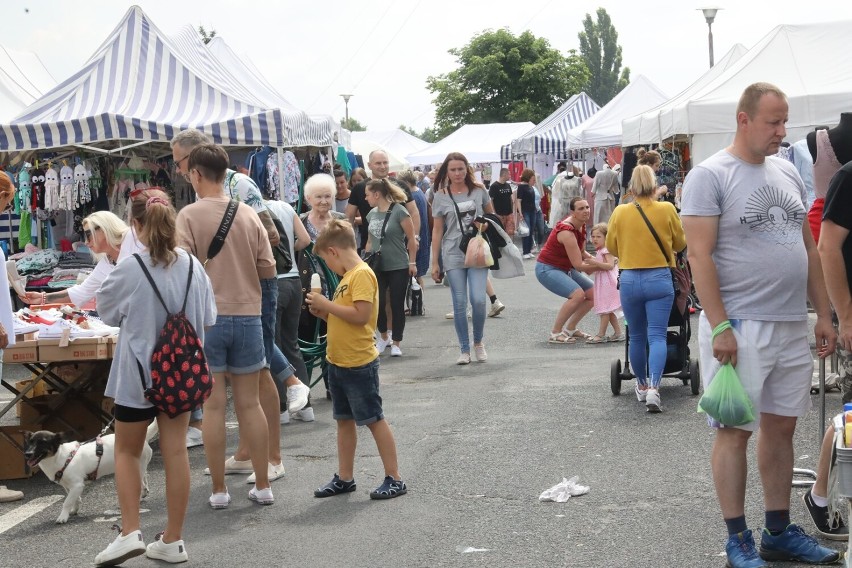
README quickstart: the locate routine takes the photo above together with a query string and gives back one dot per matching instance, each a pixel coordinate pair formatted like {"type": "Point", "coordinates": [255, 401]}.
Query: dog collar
{"type": "Point", "coordinates": [99, 451]}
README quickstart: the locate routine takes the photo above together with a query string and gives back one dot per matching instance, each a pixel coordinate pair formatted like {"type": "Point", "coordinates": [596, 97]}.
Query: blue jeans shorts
{"type": "Point", "coordinates": [235, 345]}
{"type": "Point", "coordinates": [560, 282]}
{"type": "Point", "coordinates": [355, 393]}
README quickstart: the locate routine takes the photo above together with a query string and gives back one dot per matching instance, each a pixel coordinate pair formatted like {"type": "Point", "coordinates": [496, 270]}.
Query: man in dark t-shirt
{"type": "Point", "coordinates": [378, 164]}
{"type": "Point", "coordinates": [503, 199]}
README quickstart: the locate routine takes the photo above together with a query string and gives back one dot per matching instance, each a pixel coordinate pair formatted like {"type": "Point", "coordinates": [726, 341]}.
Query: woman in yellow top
{"type": "Point", "coordinates": [646, 286]}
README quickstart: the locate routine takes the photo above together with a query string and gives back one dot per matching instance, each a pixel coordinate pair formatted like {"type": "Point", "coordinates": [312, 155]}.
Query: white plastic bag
{"type": "Point", "coordinates": [563, 491]}
{"type": "Point", "coordinates": [523, 229]}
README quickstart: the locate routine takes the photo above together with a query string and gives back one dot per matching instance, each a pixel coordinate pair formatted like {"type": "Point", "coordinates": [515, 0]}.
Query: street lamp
{"type": "Point", "coordinates": [709, 16]}
{"type": "Point", "coordinates": [346, 102]}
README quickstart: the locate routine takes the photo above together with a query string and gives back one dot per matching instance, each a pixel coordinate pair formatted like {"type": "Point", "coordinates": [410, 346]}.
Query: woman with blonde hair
{"type": "Point", "coordinates": [111, 240]}
{"type": "Point", "coordinates": [391, 232]}
{"type": "Point", "coordinates": [646, 287]}
{"type": "Point", "coordinates": [319, 193]}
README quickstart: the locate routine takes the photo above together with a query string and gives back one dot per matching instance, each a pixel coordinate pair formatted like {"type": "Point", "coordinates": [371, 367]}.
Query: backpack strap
{"type": "Point", "coordinates": [151, 280]}
{"type": "Point", "coordinates": [188, 284]}
{"type": "Point", "coordinates": [222, 231]}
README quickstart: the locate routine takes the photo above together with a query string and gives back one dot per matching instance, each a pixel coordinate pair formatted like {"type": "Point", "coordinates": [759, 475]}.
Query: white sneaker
{"type": "Point", "coordinates": [452, 315]}
{"type": "Point", "coordinates": [234, 466]}
{"type": "Point", "coordinates": [193, 437]}
{"type": "Point", "coordinates": [261, 496]}
{"type": "Point", "coordinates": [464, 359]}
{"type": "Point", "coordinates": [273, 472]}
{"type": "Point", "coordinates": [640, 394]}
{"type": "Point", "coordinates": [382, 344]}
{"type": "Point", "coordinates": [124, 547]}
{"type": "Point", "coordinates": [220, 500]}
{"type": "Point", "coordinates": [305, 415]}
{"type": "Point", "coordinates": [284, 418]}
{"type": "Point", "coordinates": [481, 354]}
{"type": "Point", "coordinates": [652, 400]}
{"type": "Point", "coordinates": [496, 308]}
{"type": "Point", "coordinates": [396, 351]}
{"type": "Point", "coordinates": [527, 256]}
{"type": "Point", "coordinates": [297, 397]}
{"type": "Point", "coordinates": [172, 552]}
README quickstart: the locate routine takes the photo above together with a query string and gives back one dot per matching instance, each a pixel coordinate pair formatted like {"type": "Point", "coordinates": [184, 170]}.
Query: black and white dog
{"type": "Point", "coordinates": [72, 464]}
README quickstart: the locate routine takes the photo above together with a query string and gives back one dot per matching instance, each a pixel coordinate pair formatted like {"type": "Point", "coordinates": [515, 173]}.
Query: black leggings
{"type": "Point", "coordinates": [397, 281]}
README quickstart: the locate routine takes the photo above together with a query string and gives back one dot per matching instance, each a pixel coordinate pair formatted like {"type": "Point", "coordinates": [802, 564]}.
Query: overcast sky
{"type": "Point", "coordinates": [382, 51]}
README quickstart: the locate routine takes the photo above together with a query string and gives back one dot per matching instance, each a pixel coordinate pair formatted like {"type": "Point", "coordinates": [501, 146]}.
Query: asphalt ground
{"type": "Point", "coordinates": [477, 445]}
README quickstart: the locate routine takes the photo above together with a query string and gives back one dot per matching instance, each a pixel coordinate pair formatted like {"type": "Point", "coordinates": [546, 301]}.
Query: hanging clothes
{"type": "Point", "coordinates": [273, 185]}
{"type": "Point", "coordinates": [291, 178]}
{"type": "Point", "coordinates": [343, 160]}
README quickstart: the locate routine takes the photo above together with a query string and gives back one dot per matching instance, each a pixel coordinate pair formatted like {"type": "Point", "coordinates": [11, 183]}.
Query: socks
{"type": "Point", "coordinates": [777, 521]}
{"type": "Point", "coordinates": [493, 298]}
{"type": "Point", "coordinates": [819, 501]}
{"type": "Point", "coordinates": [736, 525]}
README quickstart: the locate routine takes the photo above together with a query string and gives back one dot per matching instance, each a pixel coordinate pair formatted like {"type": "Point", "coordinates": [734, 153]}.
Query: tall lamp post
{"type": "Point", "coordinates": [346, 102]}
{"type": "Point", "coordinates": [709, 16]}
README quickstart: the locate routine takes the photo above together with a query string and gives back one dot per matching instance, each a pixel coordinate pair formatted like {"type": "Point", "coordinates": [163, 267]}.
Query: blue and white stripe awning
{"type": "Point", "coordinates": [139, 87]}
{"type": "Point", "coordinates": [550, 135]}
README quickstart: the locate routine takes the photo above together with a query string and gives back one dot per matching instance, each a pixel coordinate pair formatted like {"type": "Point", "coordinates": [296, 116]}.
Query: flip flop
{"type": "Point", "coordinates": [597, 339]}
{"type": "Point", "coordinates": [576, 333]}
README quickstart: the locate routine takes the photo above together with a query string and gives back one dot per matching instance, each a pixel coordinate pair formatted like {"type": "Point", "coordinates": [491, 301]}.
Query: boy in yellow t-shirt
{"type": "Point", "coordinates": [353, 361]}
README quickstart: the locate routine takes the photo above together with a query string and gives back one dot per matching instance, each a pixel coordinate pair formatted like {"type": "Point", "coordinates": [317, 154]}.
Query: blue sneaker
{"type": "Point", "coordinates": [794, 544]}
{"type": "Point", "coordinates": [742, 552]}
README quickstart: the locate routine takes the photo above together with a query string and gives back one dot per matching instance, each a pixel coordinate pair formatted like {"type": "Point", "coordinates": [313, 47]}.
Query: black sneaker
{"type": "Point", "coordinates": [389, 489]}
{"type": "Point", "coordinates": [335, 487]}
{"type": "Point", "coordinates": [833, 529]}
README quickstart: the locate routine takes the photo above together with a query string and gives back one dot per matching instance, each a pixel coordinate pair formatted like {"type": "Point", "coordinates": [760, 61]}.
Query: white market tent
{"type": "Point", "coordinates": [657, 124]}
{"type": "Point", "coordinates": [136, 89]}
{"type": "Point", "coordinates": [322, 128]}
{"type": "Point", "coordinates": [23, 80]}
{"type": "Point", "coordinates": [804, 61]}
{"type": "Point", "coordinates": [550, 135]}
{"type": "Point", "coordinates": [478, 142]}
{"type": "Point", "coordinates": [603, 129]}
{"type": "Point", "coordinates": [396, 143]}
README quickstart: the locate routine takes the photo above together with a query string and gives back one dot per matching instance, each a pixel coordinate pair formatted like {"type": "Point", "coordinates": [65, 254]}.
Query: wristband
{"type": "Point", "coordinates": [412, 264]}
{"type": "Point", "coordinates": [722, 327]}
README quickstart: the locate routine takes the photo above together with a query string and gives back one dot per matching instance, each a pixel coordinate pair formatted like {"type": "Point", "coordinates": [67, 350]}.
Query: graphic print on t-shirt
{"type": "Point", "coordinates": [468, 212]}
{"type": "Point", "coordinates": [774, 216]}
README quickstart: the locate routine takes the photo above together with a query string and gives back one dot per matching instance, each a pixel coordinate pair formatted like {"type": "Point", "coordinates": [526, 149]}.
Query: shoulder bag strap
{"type": "Point", "coordinates": [458, 213]}
{"type": "Point", "coordinates": [222, 232]}
{"type": "Point", "coordinates": [150, 280]}
{"type": "Point", "coordinates": [188, 284]}
{"type": "Point", "coordinates": [385, 225]}
{"type": "Point", "coordinates": [654, 233]}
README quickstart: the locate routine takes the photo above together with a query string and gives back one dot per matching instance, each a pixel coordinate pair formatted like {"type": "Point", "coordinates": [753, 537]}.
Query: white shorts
{"type": "Point", "coordinates": [774, 363]}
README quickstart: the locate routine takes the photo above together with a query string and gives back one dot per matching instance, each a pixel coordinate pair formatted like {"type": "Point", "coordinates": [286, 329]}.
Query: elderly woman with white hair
{"type": "Point", "coordinates": [112, 241]}
{"type": "Point", "coordinates": [320, 190]}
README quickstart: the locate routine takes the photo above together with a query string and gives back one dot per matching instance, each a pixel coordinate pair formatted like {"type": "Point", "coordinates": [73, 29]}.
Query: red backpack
{"type": "Point", "coordinates": [180, 378]}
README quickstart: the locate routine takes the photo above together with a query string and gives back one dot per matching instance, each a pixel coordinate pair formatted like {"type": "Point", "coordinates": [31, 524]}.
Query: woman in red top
{"type": "Point", "coordinates": [560, 267]}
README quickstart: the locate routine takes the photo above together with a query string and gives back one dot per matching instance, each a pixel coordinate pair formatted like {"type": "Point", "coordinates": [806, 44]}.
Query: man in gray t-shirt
{"type": "Point", "coordinates": [754, 264]}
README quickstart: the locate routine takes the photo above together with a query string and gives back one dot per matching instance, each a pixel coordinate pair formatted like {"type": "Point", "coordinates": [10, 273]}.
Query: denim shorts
{"type": "Point", "coordinates": [355, 393]}
{"type": "Point", "coordinates": [560, 282]}
{"type": "Point", "coordinates": [235, 345]}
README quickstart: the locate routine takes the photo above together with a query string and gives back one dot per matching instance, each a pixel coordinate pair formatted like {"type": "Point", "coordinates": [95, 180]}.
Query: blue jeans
{"type": "Point", "coordinates": [275, 360]}
{"type": "Point", "coordinates": [235, 345]}
{"type": "Point", "coordinates": [527, 242]}
{"type": "Point", "coordinates": [646, 298]}
{"type": "Point", "coordinates": [464, 282]}
{"type": "Point", "coordinates": [560, 282]}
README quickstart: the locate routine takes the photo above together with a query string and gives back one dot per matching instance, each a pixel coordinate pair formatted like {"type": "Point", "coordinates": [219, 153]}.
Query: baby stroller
{"type": "Point", "coordinates": [678, 363]}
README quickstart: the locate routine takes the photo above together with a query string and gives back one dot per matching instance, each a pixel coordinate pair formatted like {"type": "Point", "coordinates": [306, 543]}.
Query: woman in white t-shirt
{"type": "Point", "coordinates": [112, 241]}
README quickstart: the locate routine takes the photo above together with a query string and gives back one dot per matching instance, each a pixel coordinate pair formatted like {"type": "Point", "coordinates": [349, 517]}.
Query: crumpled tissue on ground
{"type": "Point", "coordinates": [564, 490]}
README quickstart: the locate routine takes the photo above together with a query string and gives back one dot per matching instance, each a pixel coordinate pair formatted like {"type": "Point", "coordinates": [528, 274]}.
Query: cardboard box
{"type": "Point", "coordinates": [12, 463]}
{"type": "Point", "coordinates": [78, 349]}
{"type": "Point", "coordinates": [39, 390]}
{"type": "Point", "coordinates": [112, 341]}
{"type": "Point", "coordinates": [72, 415]}
{"type": "Point", "coordinates": [22, 352]}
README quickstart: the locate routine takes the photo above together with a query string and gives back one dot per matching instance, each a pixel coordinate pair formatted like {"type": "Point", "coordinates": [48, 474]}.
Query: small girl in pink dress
{"type": "Point", "coordinates": [607, 300]}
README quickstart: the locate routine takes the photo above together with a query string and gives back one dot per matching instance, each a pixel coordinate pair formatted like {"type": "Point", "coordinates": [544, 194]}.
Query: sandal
{"type": "Point", "coordinates": [597, 339]}
{"type": "Point", "coordinates": [614, 338]}
{"type": "Point", "coordinates": [576, 333]}
{"type": "Point", "coordinates": [562, 338]}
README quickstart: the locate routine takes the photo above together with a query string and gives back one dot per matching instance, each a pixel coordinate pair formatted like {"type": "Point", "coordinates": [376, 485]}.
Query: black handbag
{"type": "Point", "coordinates": [681, 278]}
{"type": "Point", "coordinates": [374, 258]}
{"type": "Point", "coordinates": [281, 251]}
{"type": "Point", "coordinates": [465, 235]}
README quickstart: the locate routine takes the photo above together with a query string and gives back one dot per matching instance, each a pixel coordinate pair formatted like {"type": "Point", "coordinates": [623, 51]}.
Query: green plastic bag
{"type": "Point", "coordinates": [726, 400]}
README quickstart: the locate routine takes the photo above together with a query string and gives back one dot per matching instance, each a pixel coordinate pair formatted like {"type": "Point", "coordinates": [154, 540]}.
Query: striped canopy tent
{"type": "Point", "coordinates": [549, 136]}
{"type": "Point", "coordinates": [139, 88]}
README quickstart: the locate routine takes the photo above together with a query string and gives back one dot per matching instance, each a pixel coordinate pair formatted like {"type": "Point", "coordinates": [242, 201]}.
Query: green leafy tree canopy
{"type": "Point", "coordinates": [352, 125]}
{"type": "Point", "coordinates": [428, 134]}
{"type": "Point", "coordinates": [601, 53]}
{"type": "Point", "coordinates": [504, 78]}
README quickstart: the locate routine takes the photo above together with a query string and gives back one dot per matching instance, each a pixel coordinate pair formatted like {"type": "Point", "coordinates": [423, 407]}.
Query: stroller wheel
{"type": "Point", "coordinates": [615, 377]}
{"type": "Point", "coordinates": [694, 376]}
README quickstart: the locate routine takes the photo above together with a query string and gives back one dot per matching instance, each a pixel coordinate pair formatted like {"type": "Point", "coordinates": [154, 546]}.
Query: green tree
{"type": "Point", "coordinates": [206, 37]}
{"type": "Point", "coordinates": [428, 134]}
{"type": "Point", "coordinates": [602, 55]}
{"type": "Point", "coordinates": [504, 78]}
{"type": "Point", "coordinates": [352, 125]}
